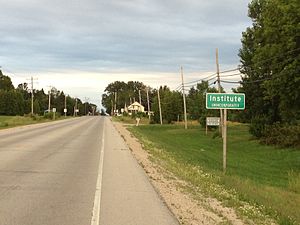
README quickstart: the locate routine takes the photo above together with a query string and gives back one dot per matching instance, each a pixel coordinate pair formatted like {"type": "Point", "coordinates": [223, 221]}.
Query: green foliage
{"type": "Point", "coordinates": [5, 82]}
{"type": "Point", "coordinates": [35, 117]}
{"type": "Point", "coordinates": [271, 62]}
{"type": "Point", "coordinates": [120, 94]}
{"type": "Point", "coordinates": [11, 103]}
{"type": "Point", "coordinates": [50, 115]}
{"type": "Point", "coordinates": [171, 105]}
{"type": "Point", "coordinates": [282, 135]}
{"type": "Point", "coordinates": [196, 103]}
{"type": "Point", "coordinates": [18, 101]}
{"type": "Point", "coordinates": [257, 126]}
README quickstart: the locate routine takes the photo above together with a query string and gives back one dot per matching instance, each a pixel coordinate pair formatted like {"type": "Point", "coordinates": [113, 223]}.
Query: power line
{"type": "Point", "coordinates": [268, 59]}
{"type": "Point", "coordinates": [274, 76]}
{"type": "Point", "coordinates": [231, 70]}
{"type": "Point", "coordinates": [232, 75]}
{"type": "Point", "coordinates": [195, 81]}
{"type": "Point", "coordinates": [178, 88]}
{"type": "Point", "coordinates": [247, 82]}
{"type": "Point", "coordinates": [230, 82]}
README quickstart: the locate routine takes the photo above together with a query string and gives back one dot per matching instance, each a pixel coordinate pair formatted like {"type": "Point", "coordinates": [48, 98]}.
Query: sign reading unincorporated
{"type": "Point", "coordinates": [213, 121]}
{"type": "Point", "coordinates": [225, 101]}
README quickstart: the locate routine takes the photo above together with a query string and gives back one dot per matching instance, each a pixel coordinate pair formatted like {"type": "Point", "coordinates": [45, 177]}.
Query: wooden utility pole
{"type": "Point", "coordinates": [223, 117]}
{"type": "Point", "coordinates": [86, 100]}
{"type": "Point", "coordinates": [219, 90]}
{"type": "Point", "coordinates": [148, 102]}
{"type": "Point", "coordinates": [65, 109]}
{"type": "Point", "coordinates": [31, 95]}
{"type": "Point", "coordinates": [75, 106]}
{"type": "Point", "coordinates": [140, 97]}
{"type": "Point", "coordinates": [225, 141]}
{"type": "Point", "coordinates": [49, 101]}
{"type": "Point", "coordinates": [49, 98]}
{"type": "Point", "coordinates": [115, 110]}
{"type": "Point", "coordinates": [184, 102]}
{"type": "Point", "coordinates": [160, 115]}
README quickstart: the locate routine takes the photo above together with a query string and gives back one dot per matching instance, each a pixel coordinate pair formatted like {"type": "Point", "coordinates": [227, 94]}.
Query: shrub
{"type": "Point", "coordinates": [283, 135]}
{"type": "Point", "coordinates": [35, 117]}
{"type": "Point", "coordinates": [50, 115]}
{"type": "Point", "coordinates": [257, 126]}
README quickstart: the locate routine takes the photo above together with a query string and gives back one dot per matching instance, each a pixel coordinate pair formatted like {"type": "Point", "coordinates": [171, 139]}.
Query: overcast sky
{"type": "Point", "coordinates": [80, 46]}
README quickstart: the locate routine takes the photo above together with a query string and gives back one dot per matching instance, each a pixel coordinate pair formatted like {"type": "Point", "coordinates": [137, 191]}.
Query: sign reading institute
{"type": "Point", "coordinates": [225, 101]}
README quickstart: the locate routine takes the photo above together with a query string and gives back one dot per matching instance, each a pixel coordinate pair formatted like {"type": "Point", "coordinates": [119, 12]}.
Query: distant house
{"type": "Point", "coordinates": [135, 107]}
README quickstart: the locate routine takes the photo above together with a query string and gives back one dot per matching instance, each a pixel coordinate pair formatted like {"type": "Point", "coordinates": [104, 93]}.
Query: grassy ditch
{"type": "Point", "coordinates": [262, 182]}
{"type": "Point", "coordinates": [14, 121]}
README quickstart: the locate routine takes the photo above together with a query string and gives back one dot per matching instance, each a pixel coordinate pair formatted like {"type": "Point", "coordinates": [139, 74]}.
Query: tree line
{"type": "Point", "coordinates": [270, 69]}
{"type": "Point", "coordinates": [119, 95]}
{"type": "Point", "coordinates": [17, 101]}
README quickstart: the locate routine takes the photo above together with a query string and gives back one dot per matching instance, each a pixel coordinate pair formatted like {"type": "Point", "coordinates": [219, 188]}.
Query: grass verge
{"type": "Point", "coordinates": [130, 120]}
{"type": "Point", "coordinates": [261, 183]}
{"type": "Point", "coordinates": [14, 121]}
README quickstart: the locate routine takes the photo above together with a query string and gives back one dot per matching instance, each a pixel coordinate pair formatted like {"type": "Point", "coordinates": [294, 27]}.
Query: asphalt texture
{"type": "Point", "coordinates": [50, 174]}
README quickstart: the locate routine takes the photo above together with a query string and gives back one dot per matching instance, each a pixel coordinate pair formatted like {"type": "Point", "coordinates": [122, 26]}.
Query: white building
{"type": "Point", "coordinates": [136, 107]}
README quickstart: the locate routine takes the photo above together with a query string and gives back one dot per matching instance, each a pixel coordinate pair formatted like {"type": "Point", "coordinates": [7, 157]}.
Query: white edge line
{"type": "Point", "coordinates": [97, 201]}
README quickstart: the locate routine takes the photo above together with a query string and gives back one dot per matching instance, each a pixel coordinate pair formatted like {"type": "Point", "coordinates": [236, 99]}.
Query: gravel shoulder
{"type": "Point", "coordinates": [187, 210]}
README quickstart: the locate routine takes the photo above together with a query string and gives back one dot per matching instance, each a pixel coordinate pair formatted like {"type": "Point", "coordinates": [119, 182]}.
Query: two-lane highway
{"type": "Point", "coordinates": [74, 172]}
{"type": "Point", "coordinates": [48, 172]}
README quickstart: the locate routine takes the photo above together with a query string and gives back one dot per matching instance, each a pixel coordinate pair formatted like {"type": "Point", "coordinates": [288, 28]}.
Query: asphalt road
{"type": "Point", "coordinates": [74, 172]}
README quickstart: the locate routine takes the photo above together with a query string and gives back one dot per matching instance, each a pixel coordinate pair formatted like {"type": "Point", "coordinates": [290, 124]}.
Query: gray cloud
{"type": "Point", "coordinates": [138, 34]}
{"type": "Point", "coordinates": [126, 36]}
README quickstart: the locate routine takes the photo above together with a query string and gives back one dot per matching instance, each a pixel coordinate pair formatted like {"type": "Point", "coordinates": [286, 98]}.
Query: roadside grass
{"type": "Point", "coordinates": [262, 182]}
{"type": "Point", "coordinates": [130, 120]}
{"type": "Point", "coordinates": [14, 121]}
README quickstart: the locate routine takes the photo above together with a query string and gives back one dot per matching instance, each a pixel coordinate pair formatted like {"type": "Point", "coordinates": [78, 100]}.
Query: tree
{"type": "Point", "coordinates": [120, 93]}
{"type": "Point", "coordinates": [196, 102]}
{"type": "Point", "coordinates": [11, 103]}
{"type": "Point", "coordinates": [5, 82]}
{"type": "Point", "coordinates": [271, 62]}
{"type": "Point", "coordinates": [171, 105]}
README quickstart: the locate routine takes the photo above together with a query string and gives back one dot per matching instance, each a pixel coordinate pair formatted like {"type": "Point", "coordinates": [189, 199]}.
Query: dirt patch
{"type": "Point", "coordinates": [205, 210]}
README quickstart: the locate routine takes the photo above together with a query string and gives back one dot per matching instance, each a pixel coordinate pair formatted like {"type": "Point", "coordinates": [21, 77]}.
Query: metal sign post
{"type": "Point", "coordinates": [212, 121]}
{"type": "Point", "coordinates": [54, 111]}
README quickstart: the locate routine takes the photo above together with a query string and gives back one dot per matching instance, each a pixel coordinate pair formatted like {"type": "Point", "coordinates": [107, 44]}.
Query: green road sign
{"type": "Point", "coordinates": [225, 101]}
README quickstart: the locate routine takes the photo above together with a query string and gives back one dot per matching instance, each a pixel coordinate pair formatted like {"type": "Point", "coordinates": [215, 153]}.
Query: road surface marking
{"type": "Point", "coordinates": [97, 202]}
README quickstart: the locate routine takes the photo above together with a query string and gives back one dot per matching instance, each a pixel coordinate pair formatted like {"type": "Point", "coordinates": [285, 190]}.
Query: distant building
{"type": "Point", "coordinates": [135, 107]}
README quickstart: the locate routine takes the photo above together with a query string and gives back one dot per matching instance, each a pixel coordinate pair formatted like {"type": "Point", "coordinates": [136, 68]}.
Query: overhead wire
{"type": "Point", "coordinates": [231, 70]}
{"type": "Point", "coordinates": [195, 81]}
{"type": "Point", "coordinates": [274, 57]}
{"type": "Point", "coordinates": [249, 82]}
{"type": "Point", "coordinates": [231, 75]}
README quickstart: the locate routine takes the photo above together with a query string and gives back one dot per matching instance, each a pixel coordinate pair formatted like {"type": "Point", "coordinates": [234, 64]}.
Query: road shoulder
{"type": "Point", "coordinates": [186, 209]}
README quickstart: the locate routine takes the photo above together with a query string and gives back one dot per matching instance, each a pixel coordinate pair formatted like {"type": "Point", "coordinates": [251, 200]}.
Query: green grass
{"type": "Point", "coordinates": [264, 176]}
{"type": "Point", "coordinates": [14, 121]}
{"type": "Point", "coordinates": [130, 120]}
